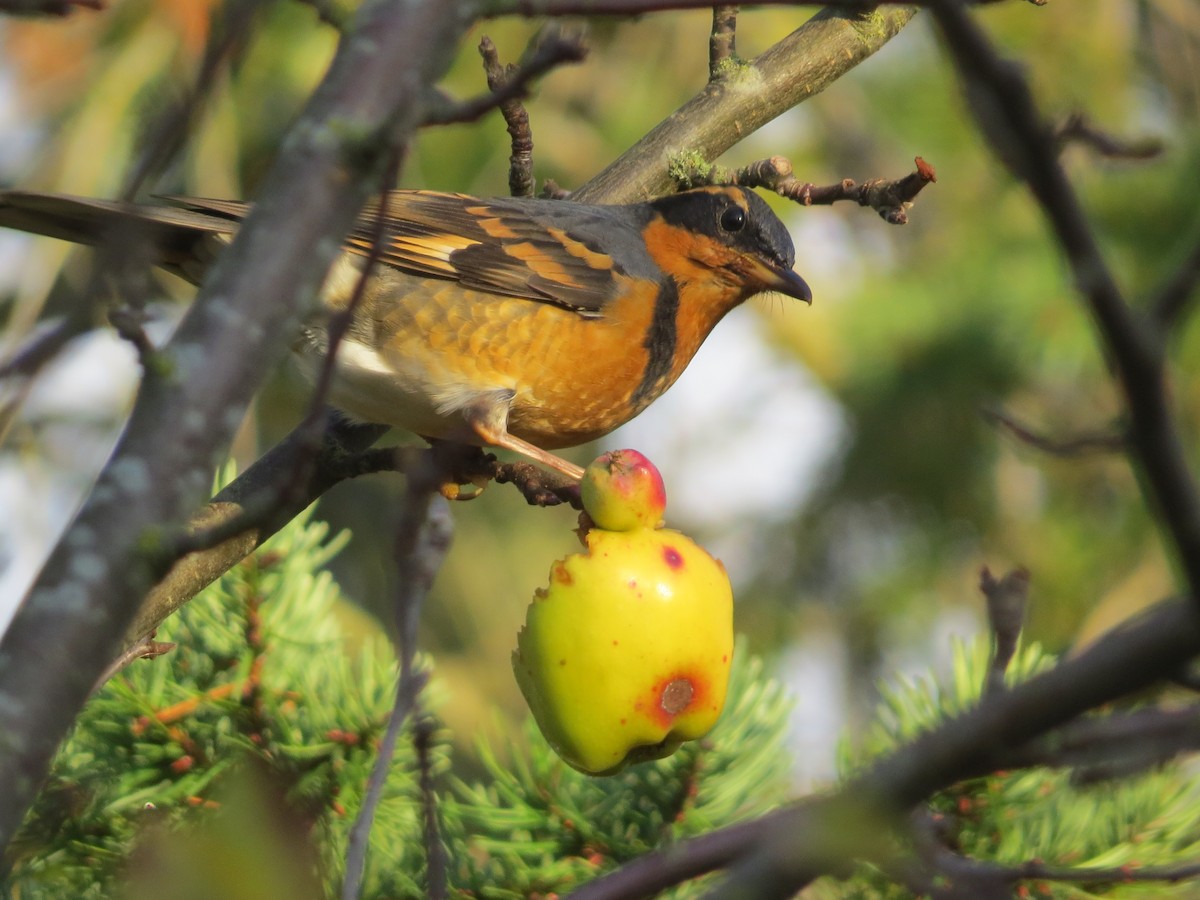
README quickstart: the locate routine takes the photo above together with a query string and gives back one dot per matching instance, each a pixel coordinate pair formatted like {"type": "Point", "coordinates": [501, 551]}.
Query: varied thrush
{"type": "Point", "coordinates": [517, 323]}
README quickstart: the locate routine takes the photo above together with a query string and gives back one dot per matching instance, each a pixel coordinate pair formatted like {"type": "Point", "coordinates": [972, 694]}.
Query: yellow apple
{"type": "Point", "coordinates": [627, 652]}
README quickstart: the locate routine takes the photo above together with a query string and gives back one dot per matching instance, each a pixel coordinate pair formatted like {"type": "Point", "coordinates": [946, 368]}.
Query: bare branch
{"type": "Point", "coordinates": [146, 648]}
{"type": "Point", "coordinates": [722, 43]}
{"type": "Point", "coordinates": [229, 36]}
{"type": "Point", "coordinates": [516, 118]}
{"type": "Point", "coordinates": [46, 7]}
{"type": "Point", "coordinates": [248, 511]}
{"type": "Point", "coordinates": [1080, 445]}
{"type": "Point", "coordinates": [553, 50]}
{"type": "Point", "coordinates": [798, 67]}
{"type": "Point", "coordinates": [436, 863]}
{"type": "Point", "coordinates": [1174, 298]}
{"type": "Point", "coordinates": [1077, 129]}
{"type": "Point", "coordinates": [1116, 745]}
{"type": "Point", "coordinates": [423, 536]}
{"type": "Point", "coordinates": [128, 323]}
{"type": "Point", "coordinates": [961, 876]}
{"type": "Point", "coordinates": [890, 198]}
{"type": "Point", "coordinates": [29, 358]}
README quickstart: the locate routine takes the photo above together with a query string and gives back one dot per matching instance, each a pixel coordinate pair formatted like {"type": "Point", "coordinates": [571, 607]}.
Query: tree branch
{"type": "Point", "coordinates": [960, 876]}
{"type": "Point", "coordinates": [1174, 298]}
{"type": "Point", "coordinates": [1079, 445]}
{"type": "Point", "coordinates": [722, 42]}
{"type": "Point", "coordinates": [423, 536]}
{"type": "Point", "coordinates": [800, 66]}
{"type": "Point", "coordinates": [891, 198]}
{"type": "Point", "coordinates": [553, 50]}
{"type": "Point", "coordinates": [46, 7]}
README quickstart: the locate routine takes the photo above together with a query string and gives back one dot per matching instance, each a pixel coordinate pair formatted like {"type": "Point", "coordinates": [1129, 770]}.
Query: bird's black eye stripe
{"type": "Point", "coordinates": [733, 219]}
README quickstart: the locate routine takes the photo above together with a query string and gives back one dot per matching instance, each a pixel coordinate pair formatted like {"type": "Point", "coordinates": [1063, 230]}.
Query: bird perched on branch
{"type": "Point", "coordinates": [517, 323]}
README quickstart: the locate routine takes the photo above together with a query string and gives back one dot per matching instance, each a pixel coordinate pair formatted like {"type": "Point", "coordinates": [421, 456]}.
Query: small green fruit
{"type": "Point", "coordinates": [623, 490]}
{"type": "Point", "coordinates": [626, 654]}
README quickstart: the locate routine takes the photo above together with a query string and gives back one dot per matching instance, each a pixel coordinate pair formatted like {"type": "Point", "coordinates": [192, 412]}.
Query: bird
{"type": "Point", "coordinates": [524, 324]}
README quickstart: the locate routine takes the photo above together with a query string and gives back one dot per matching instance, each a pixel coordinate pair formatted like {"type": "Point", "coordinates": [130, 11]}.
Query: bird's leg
{"type": "Point", "coordinates": [489, 422]}
{"type": "Point", "coordinates": [537, 454]}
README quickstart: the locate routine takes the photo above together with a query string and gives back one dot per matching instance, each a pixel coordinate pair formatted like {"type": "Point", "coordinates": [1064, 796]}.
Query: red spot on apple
{"type": "Point", "coordinates": [561, 575]}
{"type": "Point", "coordinates": [673, 557]}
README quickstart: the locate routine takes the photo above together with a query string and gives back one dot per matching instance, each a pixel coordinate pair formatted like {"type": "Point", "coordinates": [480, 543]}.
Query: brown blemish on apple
{"type": "Point", "coordinates": [561, 575]}
{"type": "Point", "coordinates": [676, 696]}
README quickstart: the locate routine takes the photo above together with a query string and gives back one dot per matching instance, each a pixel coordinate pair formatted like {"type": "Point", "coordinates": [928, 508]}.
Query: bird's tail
{"type": "Point", "coordinates": [169, 236]}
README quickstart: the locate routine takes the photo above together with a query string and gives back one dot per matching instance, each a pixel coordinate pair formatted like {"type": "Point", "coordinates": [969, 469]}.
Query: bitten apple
{"type": "Point", "coordinates": [623, 490]}
{"type": "Point", "coordinates": [627, 652]}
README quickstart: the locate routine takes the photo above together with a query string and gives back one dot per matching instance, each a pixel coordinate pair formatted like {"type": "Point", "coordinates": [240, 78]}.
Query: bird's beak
{"type": "Point", "coordinates": [785, 281]}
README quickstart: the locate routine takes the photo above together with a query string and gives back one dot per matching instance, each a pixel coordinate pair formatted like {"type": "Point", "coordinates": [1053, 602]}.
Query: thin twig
{"type": "Point", "coordinates": [146, 648]}
{"type": "Point", "coordinates": [1174, 298]}
{"type": "Point", "coordinates": [963, 876]}
{"type": "Point", "coordinates": [1117, 745]}
{"type": "Point", "coordinates": [891, 198]}
{"type": "Point", "coordinates": [29, 358]}
{"type": "Point", "coordinates": [722, 42]}
{"type": "Point", "coordinates": [516, 118]}
{"type": "Point", "coordinates": [538, 486]}
{"type": "Point", "coordinates": [329, 13]}
{"type": "Point", "coordinates": [1080, 445]}
{"type": "Point", "coordinates": [46, 7]}
{"type": "Point", "coordinates": [555, 50]}
{"type": "Point", "coordinates": [1078, 129]}
{"type": "Point", "coordinates": [423, 537]}
{"type": "Point", "coordinates": [228, 39]}
{"type": "Point", "coordinates": [436, 862]}
{"type": "Point", "coordinates": [127, 320]}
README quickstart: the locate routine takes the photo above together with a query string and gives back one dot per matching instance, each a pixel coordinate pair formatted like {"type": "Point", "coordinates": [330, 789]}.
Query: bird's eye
{"type": "Point", "coordinates": [733, 219]}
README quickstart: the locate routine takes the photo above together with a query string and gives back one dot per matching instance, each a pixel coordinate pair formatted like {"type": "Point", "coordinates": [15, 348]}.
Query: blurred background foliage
{"type": "Point", "coordinates": [855, 562]}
